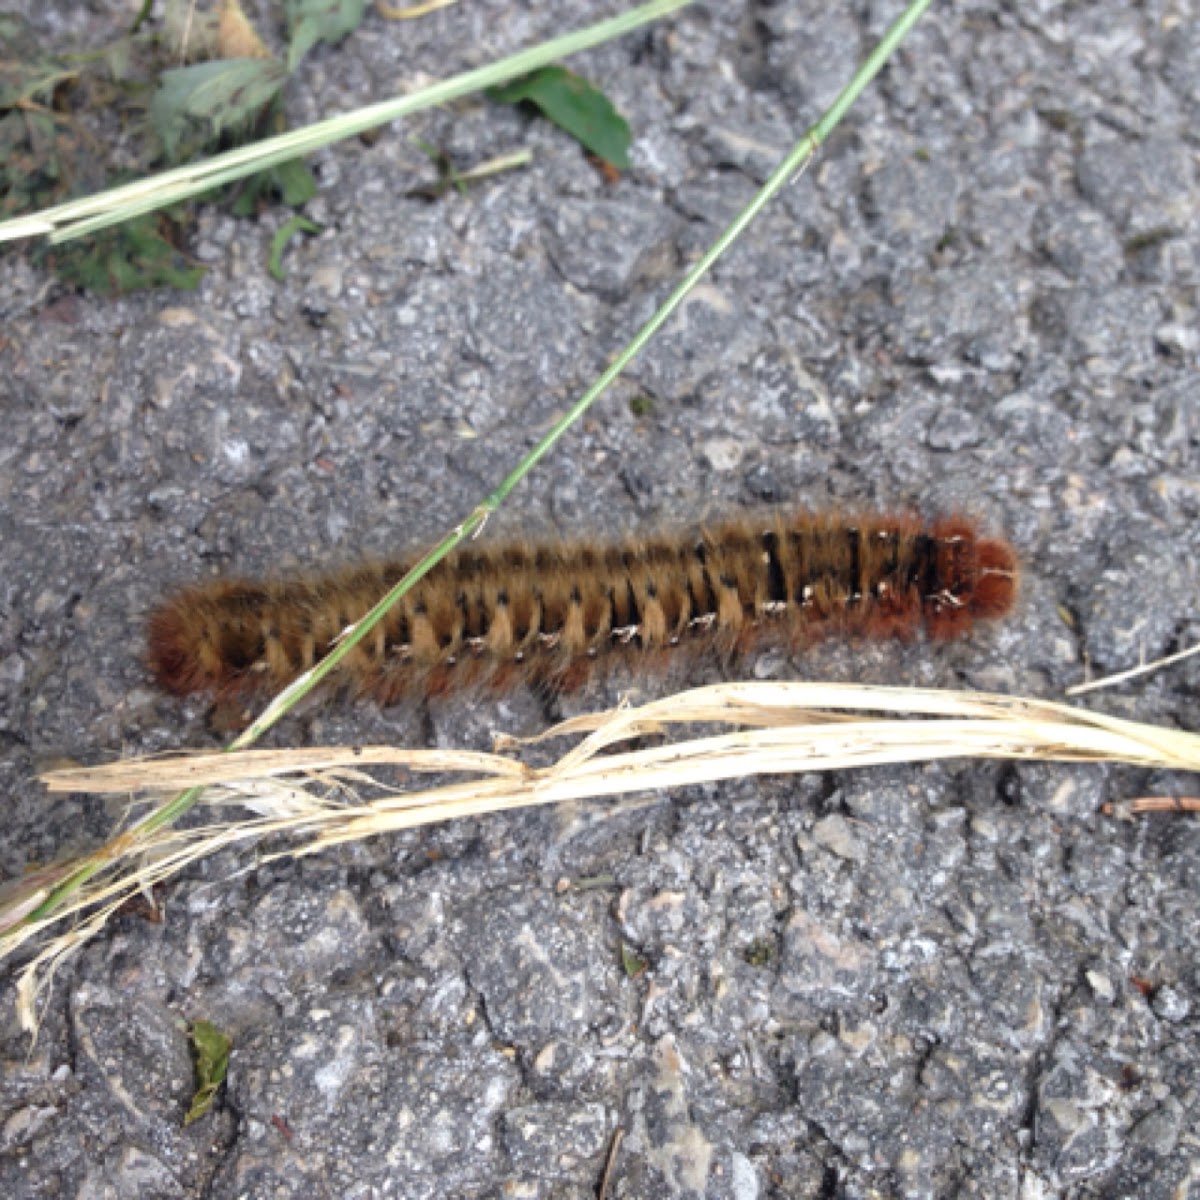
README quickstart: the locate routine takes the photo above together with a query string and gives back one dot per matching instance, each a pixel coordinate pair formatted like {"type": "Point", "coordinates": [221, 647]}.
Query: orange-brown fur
{"type": "Point", "coordinates": [548, 613]}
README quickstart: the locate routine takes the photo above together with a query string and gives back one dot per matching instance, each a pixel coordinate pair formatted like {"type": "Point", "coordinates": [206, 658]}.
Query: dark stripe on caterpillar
{"type": "Point", "coordinates": [546, 614]}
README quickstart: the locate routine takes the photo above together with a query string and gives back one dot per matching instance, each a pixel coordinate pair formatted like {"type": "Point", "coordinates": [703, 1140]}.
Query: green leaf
{"type": "Point", "coordinates": [248, 194]}
{"type": "Point", "coordinates": [211, 1048]}
{"type": "Point", "coordinates": [291, 181]}
{"type": "Point", "coordinates": [575, 106]}
{"type": "Point", "coordinates": [631, 962]}
{"type": "Point", "coordinates": [313, 21]}
{"type": "Point", "coordinates": [296, 183]}
{"type": "Point", "coordinates": [283, 235]}
{"type": "Point", "coordinates": [195, 105]}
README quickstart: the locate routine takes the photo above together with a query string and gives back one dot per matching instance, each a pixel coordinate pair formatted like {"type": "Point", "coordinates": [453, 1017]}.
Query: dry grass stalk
{"type": "Point", "coordinates": [315, 796]}
{"type": "Point", "coordinates": [1149, 804]}
{"type": "Point", "coordinates": [1149, 668]}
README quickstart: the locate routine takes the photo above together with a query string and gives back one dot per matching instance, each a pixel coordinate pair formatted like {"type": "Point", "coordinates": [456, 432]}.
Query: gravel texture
{"type": "Point", "coordinates": [955, 980]}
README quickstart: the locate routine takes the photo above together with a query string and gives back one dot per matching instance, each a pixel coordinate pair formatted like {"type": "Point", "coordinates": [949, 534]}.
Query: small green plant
{"type": "Point", "coordinates": [1148, 240]}
{"type": "Point", "coordinates": [232, 97]}
{"type": "Point", "coordinates": [40, 150]}
{"type": "Point", "coordinates": [210, 1048]}
{"type": "Point", "coordinates": [759, 953]}
{"type": "Point", "coordinates": [45, 156]}
{"type": "Point", "coordinates": [283, 235]}
{"type": "Point", "coordinates": [142, 253]}
{"type": "Point", "coordinates": [632, 963]}
{"type": "Point", "coordinates": [192, 109]}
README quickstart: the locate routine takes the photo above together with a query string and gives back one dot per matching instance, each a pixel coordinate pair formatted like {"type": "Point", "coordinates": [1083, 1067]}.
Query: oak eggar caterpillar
{"type": "Point", "coordinates": [547, 614]}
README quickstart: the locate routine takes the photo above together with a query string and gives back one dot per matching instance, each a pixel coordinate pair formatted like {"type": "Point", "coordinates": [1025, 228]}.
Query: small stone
{"type": "Point", "coordinates": [1101, 986]}
{"type": "Point", "coordinates": [1177, 338]}
{"type": "Point", "coordinates": [723, 454]}
{"type": "Point", "coordinates": [1078, 241]}
{"type": "Point", "coordinates": [858, 1040]}
{"type": "Point", "coordinates": [836, 835]}
{"type": "Point", "coordinates": [1140, 185]}
{"type": "Point", "coordinates": [820, 965]}
{"type": "Point", "coordinates": [549, 1139]}
{"type": "Point", "coordinates": [911, 204]}
{"type": "Point", "coordinates": [953, 429]}
{"type": "Point", "coordinates": [12, 670]}
{"type": "Point", "coordinates": [1158, 1131]}
{"type": "Point", "coordinates": [1169, 1004]}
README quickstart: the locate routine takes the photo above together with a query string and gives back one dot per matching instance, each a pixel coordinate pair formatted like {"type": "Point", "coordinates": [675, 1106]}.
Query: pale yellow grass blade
{"type": "Point", "coordinates": [320, 796]}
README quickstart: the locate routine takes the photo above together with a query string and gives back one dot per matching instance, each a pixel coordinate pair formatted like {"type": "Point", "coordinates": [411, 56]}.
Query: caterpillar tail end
{"type": "Point", "coordinates": [173, 655]}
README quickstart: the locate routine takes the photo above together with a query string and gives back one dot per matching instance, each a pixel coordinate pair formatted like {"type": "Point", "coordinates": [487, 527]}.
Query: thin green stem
{"type": "Point", "coordinates": [874, 63]}
{"type": "Point", "coordinates": [796, 160]}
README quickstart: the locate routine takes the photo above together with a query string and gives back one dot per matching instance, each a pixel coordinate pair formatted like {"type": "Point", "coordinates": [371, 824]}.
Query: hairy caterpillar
{"type": "Point", "coordinates": [546, 614]}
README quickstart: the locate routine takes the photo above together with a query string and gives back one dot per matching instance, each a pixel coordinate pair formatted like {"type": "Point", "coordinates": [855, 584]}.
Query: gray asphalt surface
{"type": "Point", "coordinates": [955, 980]}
